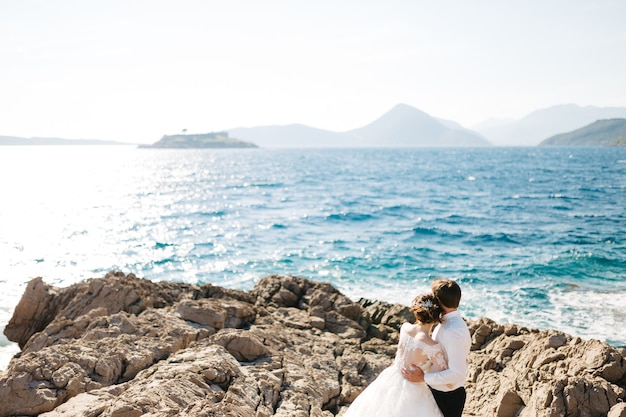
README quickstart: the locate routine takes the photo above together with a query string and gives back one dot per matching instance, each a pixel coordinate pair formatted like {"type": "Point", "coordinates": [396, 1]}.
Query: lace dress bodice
{"type": "Point", "coordinates": [419, 353]}
{"type": "Point", "coordinates": [390, 394]}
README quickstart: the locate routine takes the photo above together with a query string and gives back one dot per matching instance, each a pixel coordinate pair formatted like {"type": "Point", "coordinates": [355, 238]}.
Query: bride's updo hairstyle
{"type": "Point", "coordinates": [426, 309]}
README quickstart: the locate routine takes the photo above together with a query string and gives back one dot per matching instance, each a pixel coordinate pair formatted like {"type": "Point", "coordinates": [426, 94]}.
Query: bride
{"type": "Point", "coordinates": [390, 394]}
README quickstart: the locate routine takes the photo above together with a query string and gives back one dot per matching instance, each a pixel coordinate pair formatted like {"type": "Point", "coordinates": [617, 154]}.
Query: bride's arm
{"type": "Point", "coordinates": [439, 362]}
{"type": "Point", "coordinates": [417, 358]}
{"type": "Point", "coordinates": [400, 348]}
{"type": "Point", "coordinates": [420, 362]}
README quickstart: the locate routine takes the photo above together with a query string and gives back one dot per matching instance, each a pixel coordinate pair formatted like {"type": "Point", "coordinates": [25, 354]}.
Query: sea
{"type": "Point", "coordinates": [534, 235]}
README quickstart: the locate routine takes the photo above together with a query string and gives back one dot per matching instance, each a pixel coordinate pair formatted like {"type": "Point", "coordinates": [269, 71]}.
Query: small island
{"type": "Point", "coordinates": [198, 141]}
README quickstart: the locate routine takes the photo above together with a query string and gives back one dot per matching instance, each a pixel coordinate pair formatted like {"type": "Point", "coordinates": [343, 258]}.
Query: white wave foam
{"type": "Point", "coordinates": [591, 314]}
{"type": "Point", "coordinates": [584, 313]}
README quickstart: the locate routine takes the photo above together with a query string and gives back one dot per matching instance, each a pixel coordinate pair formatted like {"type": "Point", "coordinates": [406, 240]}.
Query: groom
{"type": "Point", "coordinates": [454, 337]}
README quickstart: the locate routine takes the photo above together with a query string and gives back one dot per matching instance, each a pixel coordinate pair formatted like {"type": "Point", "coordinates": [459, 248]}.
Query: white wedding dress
{"type": "Point", "coordinates": [391, 395]}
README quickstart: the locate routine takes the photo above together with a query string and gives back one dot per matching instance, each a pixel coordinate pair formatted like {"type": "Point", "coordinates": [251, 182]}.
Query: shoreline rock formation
{"type": "Point", "coordinates": [123, 346]}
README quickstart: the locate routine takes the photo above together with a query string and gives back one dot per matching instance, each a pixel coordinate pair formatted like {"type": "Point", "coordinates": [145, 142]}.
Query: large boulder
{"type": "Point", "coordinates": [518, 372]}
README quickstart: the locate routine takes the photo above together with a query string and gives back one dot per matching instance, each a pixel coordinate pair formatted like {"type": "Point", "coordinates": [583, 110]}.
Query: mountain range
{"type": "Point", "coordinates": [402, 126]}
{"type": "Point", "coordinates": [539, 125]}
{"type": "Point", "coordinates": [405, 126]}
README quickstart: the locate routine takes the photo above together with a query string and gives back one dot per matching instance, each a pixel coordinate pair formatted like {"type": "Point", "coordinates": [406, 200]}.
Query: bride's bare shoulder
{"type": "Point", "coordinates": [409, 329]}
{"type": "Point", "coordinates": [416, 333]}
{"type": "Point", "coordinates": [407, 325]}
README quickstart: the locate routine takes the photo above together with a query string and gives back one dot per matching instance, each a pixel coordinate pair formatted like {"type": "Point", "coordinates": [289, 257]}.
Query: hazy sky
{"type": "Point", "coordinates": [135, 70]}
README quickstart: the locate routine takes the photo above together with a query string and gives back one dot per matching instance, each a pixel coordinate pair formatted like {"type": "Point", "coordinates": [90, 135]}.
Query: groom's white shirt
{"type": "Point", "coordinates": [455, 339]}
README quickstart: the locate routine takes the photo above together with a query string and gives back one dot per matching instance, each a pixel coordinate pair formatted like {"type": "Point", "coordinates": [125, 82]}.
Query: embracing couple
{"type": "Point", "coordinates": [428, 373]}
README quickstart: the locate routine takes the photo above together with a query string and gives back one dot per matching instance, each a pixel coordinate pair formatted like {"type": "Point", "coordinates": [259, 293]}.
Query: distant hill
{"type": "Point", "coordinates": [17, 141]}
{"type": "Point", "coordinates": [541, 124]}
{"type": "Point", "coordinates": [402, 126]}
{"type": "Point", "coordinates": [202, 140]}
{"type": "Point", "coordinates": [406, 126]}
{"type": "Point", "coordinates": [610, 132]}
{"type": "Point", "coordinates": [291, 136]}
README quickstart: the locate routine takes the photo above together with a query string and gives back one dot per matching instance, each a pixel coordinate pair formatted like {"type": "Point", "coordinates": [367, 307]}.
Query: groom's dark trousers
{"type": "Point", "coordinates": [450, 403]}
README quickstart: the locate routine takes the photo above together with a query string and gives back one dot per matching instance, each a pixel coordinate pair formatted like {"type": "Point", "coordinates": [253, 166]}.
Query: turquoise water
{"type": "Point", "coordinates": [535, 236]}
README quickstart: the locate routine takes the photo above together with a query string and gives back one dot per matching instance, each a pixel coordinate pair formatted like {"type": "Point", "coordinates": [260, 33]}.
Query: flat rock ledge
{"type": "Point", "coordinates": [123, 346]}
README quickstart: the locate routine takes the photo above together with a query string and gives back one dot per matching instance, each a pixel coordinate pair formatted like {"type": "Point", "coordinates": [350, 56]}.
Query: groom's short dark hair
{"type": "Point", "coordinates": [447, 292]}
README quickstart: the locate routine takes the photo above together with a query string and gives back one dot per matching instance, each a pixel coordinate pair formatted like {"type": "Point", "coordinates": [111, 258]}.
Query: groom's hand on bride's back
{"type": "Point", "coordinates": [413, 373]}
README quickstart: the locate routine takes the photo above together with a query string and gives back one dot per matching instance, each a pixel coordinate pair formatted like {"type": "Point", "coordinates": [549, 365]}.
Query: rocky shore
{"type": "Point", "coordinates": [123, 346]}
